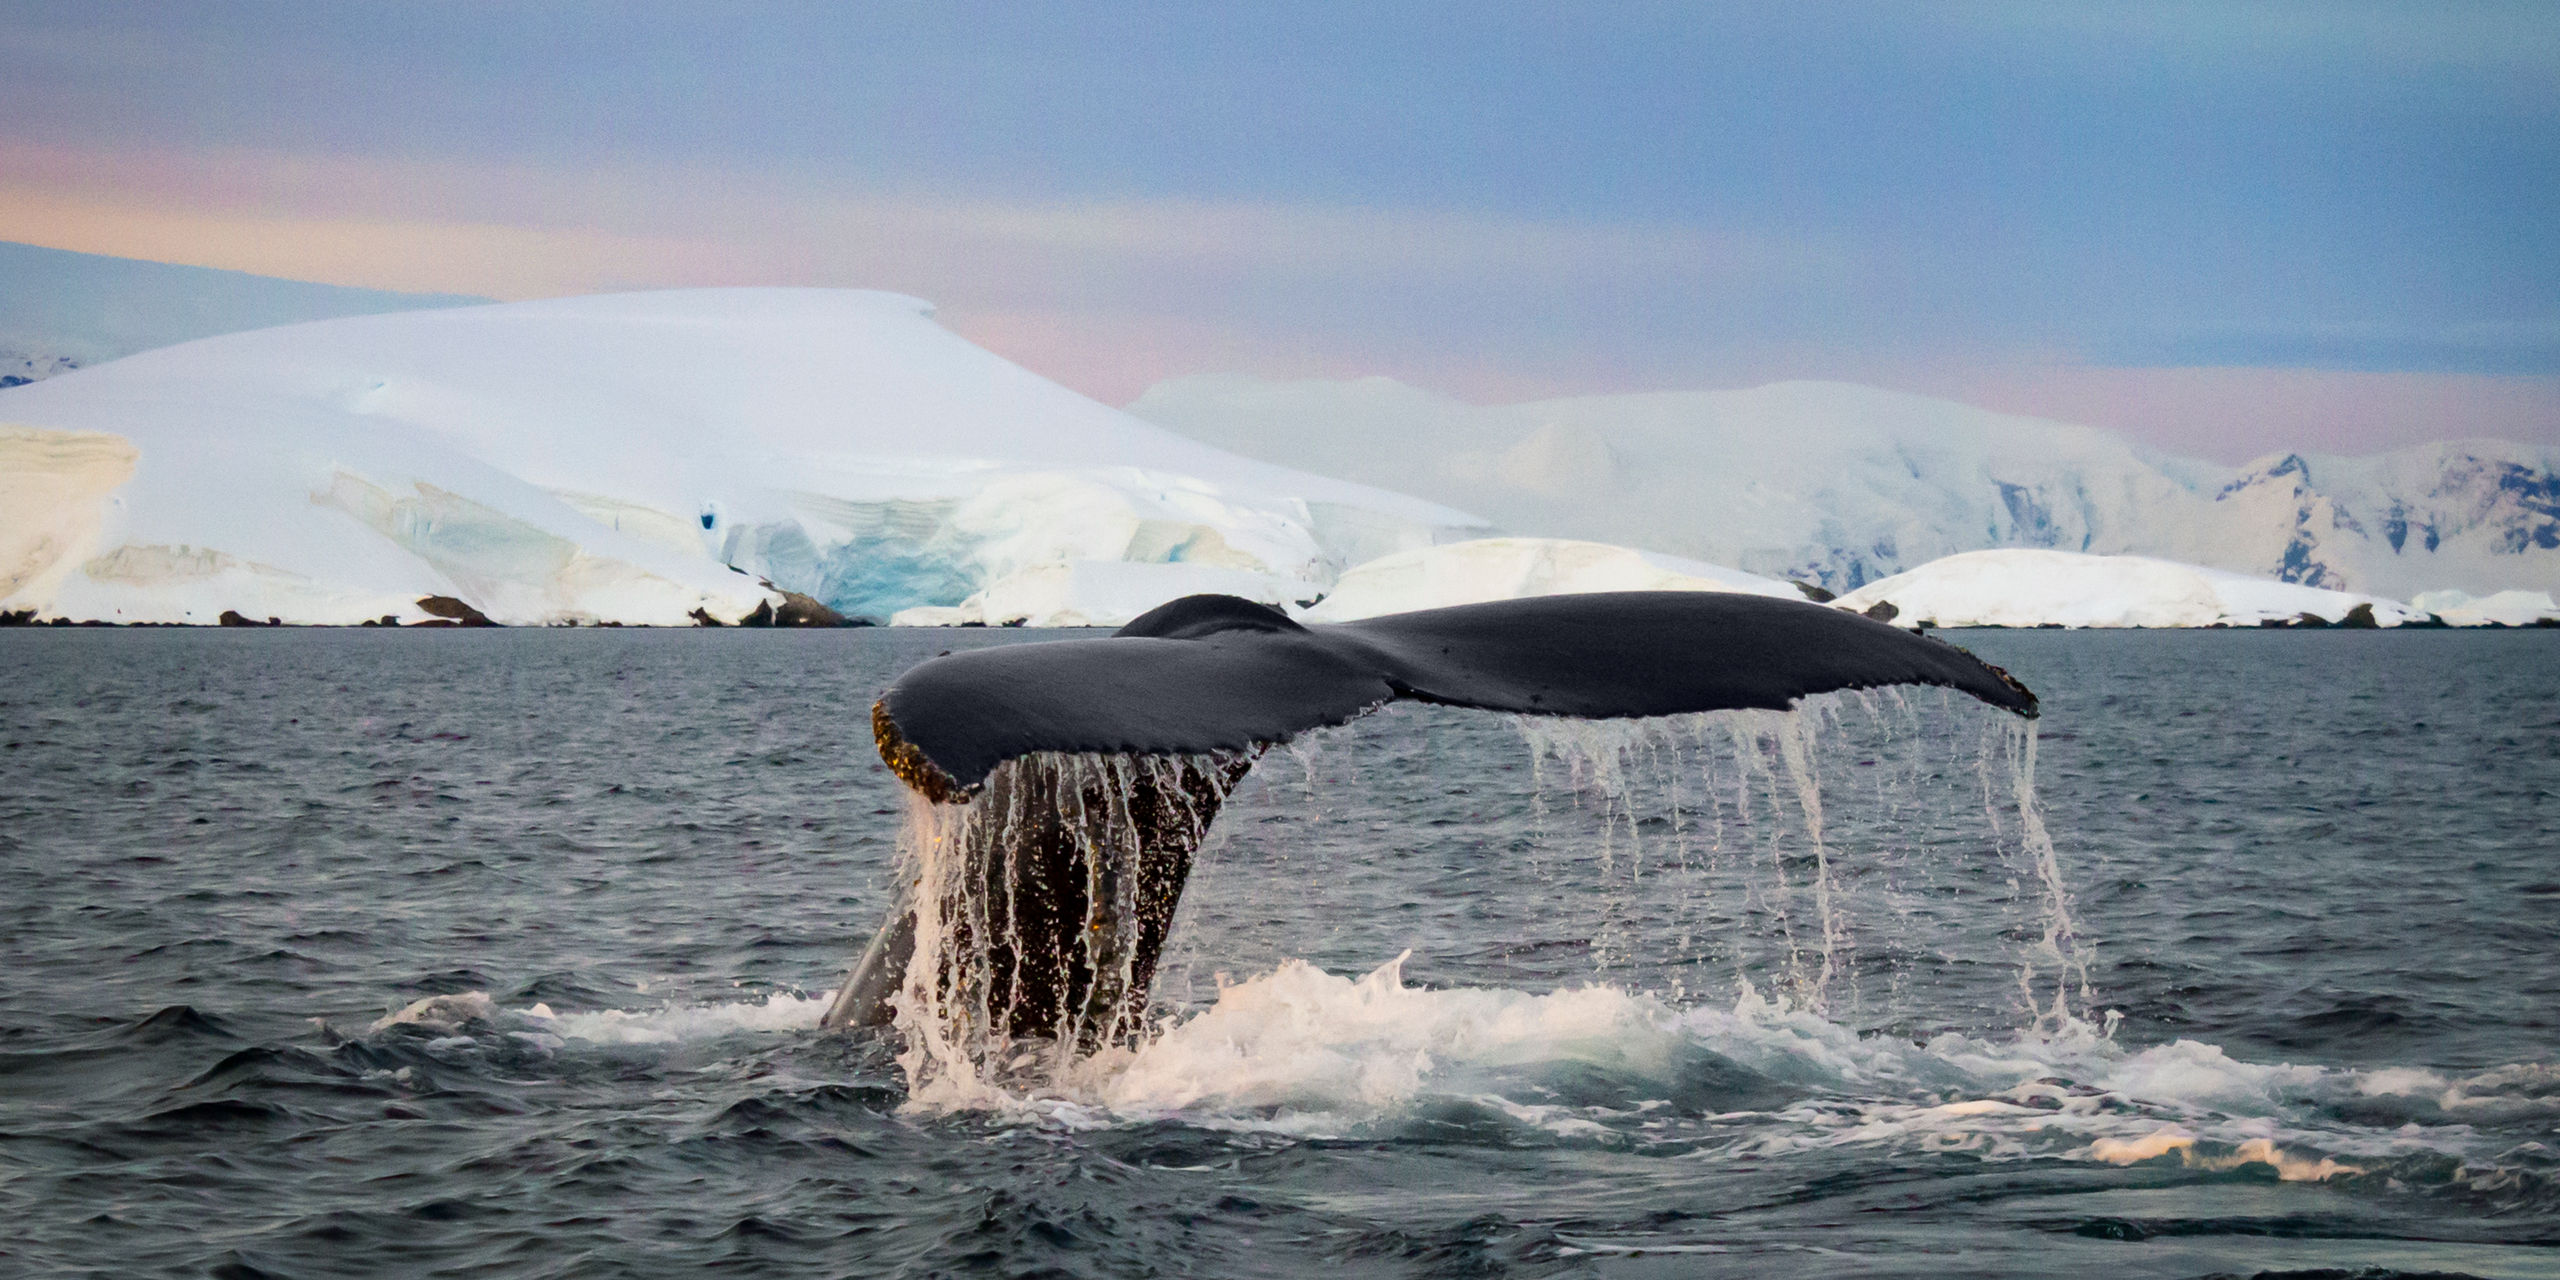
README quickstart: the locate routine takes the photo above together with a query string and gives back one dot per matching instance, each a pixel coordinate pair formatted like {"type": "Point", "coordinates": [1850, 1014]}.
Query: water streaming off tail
{"type": "Point", "coordinates": [1868, 856]}
{"type": "Point", "coordinates": [1041, 906]}
{"type": "Point", "coordinates": [1875, 858]}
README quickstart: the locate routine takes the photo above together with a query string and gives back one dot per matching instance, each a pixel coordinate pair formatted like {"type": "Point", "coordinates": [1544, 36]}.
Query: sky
{"type": "Point", "coordinates": [2223, 228]}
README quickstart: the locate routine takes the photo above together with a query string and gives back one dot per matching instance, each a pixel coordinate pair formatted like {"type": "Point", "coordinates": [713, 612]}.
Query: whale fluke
{"type": "Point", "coordinates": [1209, 681]}
{"type": "Point", "coordinates": [1218, 673]}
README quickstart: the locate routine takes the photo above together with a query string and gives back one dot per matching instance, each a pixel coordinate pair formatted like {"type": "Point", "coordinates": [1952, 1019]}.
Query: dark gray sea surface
{"type": "Point", "coordinates": [501, 953]}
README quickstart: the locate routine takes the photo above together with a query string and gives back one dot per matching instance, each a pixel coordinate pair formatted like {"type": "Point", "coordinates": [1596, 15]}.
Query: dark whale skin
{"type": "Point", "coordinates": [1218, 673]}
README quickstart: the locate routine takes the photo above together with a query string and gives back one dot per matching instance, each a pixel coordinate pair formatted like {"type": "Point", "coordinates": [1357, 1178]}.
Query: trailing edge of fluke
{"type": "Point", "coordinates": [1213, 673]}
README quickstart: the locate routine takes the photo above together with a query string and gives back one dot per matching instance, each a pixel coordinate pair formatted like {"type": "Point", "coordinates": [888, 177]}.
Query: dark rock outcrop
{"type": "Point", "coordinates": [796, 610]}
{"type": "Point", "coordinates": [805, 611]}
{"type": "Point", "coordinates": [453, 611]}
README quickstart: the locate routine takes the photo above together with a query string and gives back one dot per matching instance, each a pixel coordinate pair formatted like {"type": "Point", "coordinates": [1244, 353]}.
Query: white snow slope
{"type": "Point", "coordinates": [1842, 485]}
{"type": "Point", "coordinates": [1513, 568]}
{"type": "Point", "coordinates": [632, 458]}
{"type": "Point", "coordinates": [2023, 587]}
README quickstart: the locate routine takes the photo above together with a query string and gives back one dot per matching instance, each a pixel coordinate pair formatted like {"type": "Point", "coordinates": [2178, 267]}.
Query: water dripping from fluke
{"type": "Point", "coordinates": [1872, 835]}
{"type": "Point", "coordinates": [1059, 791]}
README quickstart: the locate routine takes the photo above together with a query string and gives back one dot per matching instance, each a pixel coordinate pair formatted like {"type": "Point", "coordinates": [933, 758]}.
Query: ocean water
{"type": "Point", "coordinates": [501, 953]}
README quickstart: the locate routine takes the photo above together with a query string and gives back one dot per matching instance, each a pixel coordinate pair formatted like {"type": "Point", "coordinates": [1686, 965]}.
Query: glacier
{"type": "Point", "coordinates": [1841, 485]}
{"type": "Point", "coordinates": [653, 458]}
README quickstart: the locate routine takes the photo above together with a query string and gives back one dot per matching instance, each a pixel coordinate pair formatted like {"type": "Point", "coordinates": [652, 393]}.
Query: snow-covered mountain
{"type": "Point", "coordinates": [1841, 485]}
{"type": "Point", "coordinates": [61, 310]}
{"type": "Point", "coordinates": [633, 458]}
{"type": "Point", "coordinates": [658, 458]}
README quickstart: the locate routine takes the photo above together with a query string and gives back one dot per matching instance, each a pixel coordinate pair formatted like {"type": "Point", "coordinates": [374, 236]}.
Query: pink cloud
{"type": "Point", "coordinates": [1110, 297]}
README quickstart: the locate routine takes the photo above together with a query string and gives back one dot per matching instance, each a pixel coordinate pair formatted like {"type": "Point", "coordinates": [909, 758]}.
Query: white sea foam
{"type": "Point", "coordinates": [1300, 1040]}
{"type": "Point", "coordinates": [1303, 1052]}
{"type": "Point", "coordinates": [441, 1013]}
{"type": "Point", "coordinates": [777, 1012]}
{"type": "Point", "coordinates": [780, 1011]}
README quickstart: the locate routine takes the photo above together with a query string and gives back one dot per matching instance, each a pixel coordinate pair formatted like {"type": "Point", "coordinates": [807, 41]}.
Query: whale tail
{"type": "Point", "coordinates": [1061, 788]}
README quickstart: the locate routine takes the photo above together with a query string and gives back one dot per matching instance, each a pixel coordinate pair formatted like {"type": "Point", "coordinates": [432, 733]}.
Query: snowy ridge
{"type": "Point", "coordinates": [2504, 609]}
{"type": "Point", "coordinates": [637, 458]}
{"type": "Point", "coordinates": [2021, 587]}
{"type": "Point", "coordinates": [1515, 568]}
{"type": "Point", "coordinates": [61, 310]}
{"type": "Point", "coordinates": [1842, 485]}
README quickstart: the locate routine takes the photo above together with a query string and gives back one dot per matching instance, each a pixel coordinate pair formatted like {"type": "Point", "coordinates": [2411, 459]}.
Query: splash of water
{"type": "Point", "coordinates": [1304, 1053]}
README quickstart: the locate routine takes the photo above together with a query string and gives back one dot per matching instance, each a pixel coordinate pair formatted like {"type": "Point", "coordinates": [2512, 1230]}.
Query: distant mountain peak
{"type": "Point", "coordinates": [1841, 484]}
{"type": "Point", "coordinates": [2267, 470]}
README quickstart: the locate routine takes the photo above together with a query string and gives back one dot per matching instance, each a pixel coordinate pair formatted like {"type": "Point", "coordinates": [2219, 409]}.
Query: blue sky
{"type": "Point", "coordinates": [2217, 226]}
